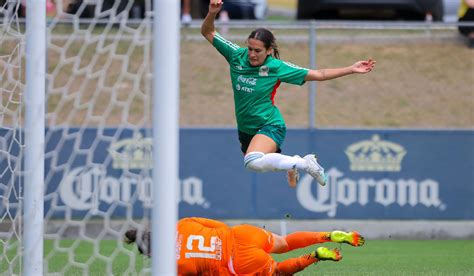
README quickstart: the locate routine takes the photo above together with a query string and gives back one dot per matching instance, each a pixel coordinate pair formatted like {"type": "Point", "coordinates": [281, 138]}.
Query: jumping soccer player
{"type": "Point", "coordinates": [256, 72]}
{"type": "Point", "coordinates": [210, 247]}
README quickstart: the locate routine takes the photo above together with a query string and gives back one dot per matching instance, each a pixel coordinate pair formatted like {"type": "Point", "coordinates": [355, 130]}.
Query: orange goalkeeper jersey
{"type": "Point", "coordinates": [210, 247]}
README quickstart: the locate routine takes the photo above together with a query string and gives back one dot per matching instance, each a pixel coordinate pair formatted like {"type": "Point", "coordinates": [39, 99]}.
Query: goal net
{"type": "Point", "coordinates": [11, 140]}
{"type": "Point", "coordinates": [98, 143]}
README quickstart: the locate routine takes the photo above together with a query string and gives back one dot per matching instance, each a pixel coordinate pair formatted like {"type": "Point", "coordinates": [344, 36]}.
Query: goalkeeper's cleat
{"type": "Point", "coordinates": [352, 238]}
{"type": "Point", "coordinates": [326, 254]}
{"type": "Point", "coordinates": [315, 170]}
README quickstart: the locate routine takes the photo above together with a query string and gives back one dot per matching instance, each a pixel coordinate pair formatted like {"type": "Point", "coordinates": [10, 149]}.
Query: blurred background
{"type": "Point", "coordinates": [440, 10]}
{"type": "Point", "coordinates": [397, 144]}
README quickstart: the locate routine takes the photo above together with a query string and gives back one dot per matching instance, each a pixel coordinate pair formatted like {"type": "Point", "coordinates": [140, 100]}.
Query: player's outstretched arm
{"type": "Point", "coordinates": [359, 67]}
{"type": "Point", "coordinates": [208, 29]}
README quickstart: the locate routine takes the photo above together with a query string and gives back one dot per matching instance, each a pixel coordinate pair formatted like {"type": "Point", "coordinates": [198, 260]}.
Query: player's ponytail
{"type": "Point", "coordinates": [268, 39]}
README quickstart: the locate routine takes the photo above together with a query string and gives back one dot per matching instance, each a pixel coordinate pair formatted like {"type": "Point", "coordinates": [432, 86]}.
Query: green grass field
{"type": "Point", "coordinates": [399, 257]}
{"type": "Point", "coordinates": [377, 257]}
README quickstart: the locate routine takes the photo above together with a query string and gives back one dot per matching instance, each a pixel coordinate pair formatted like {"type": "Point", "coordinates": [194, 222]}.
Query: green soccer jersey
{"type": "Point", "coordinates": [255, 86]}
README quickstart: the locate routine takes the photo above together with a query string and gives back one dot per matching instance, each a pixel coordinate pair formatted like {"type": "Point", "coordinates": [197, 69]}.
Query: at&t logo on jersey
{"type": "Point", "coordinates": [245, 84]}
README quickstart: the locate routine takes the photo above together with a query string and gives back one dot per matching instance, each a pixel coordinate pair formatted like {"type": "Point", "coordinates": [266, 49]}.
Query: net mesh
{"type": "Point", "coordinates": [11, 144]}
{"type": "Point", "coordinates": [98, 154]}
{"type": "Point", "coordinates": [98, 145]}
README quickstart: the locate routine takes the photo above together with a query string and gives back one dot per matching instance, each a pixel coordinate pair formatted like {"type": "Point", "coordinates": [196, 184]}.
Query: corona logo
{"type": "Point", "coordinates": [344, 191]}
{"type": "Point", "coordinates": [134, 153]}
{"type": "Point", "coordinates": [375, 155]}
{"type": "Point", "coordinates": [87, 188]}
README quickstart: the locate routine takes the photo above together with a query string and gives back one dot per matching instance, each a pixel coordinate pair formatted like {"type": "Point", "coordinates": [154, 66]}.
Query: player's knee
{"type": "Point", "coordinates": [252, 161]}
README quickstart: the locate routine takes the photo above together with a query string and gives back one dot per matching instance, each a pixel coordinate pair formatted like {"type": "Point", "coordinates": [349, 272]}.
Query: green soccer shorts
{"type": "Point", "coordinates": [275, 132]}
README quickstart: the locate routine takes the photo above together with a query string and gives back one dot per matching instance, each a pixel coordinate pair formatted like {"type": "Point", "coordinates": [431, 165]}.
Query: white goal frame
{"type": "Point", "coordinates": [36, 56]}
{"type": "Point", "coordinates": [166, 33]}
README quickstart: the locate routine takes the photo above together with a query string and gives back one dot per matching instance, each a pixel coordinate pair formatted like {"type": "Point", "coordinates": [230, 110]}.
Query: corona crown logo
{"type": "Point", "coordinates": [375, 155]}
{"type": "Point", "coordinates": [134, 153]}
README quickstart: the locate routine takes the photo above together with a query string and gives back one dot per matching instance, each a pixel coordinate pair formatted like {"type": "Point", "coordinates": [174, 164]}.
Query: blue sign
{"type": "Point", "coordinates": [373, 174]}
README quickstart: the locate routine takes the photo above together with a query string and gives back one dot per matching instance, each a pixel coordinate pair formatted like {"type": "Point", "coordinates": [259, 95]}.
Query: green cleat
{"type": "Point", "coordinates": [352, 238]}
{"type": "Point", "coordinates": [326, 254]}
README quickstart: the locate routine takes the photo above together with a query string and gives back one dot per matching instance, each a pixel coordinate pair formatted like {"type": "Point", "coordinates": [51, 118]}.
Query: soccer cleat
{"type": "Point", "coordinates": [186, 19]}
{"type": "Point", "coordinates": [315, 170]}
{"type": "Point", "coordinates": [352, 238]}
{"type": "Point", "coordinates": [326, 254]}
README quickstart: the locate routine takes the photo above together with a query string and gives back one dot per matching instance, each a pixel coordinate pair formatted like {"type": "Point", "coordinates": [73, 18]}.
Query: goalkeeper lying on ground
{"type": "Point", "coordinates": [211, 247]}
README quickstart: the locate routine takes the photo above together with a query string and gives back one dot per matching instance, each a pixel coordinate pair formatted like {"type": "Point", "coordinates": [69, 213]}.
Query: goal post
{"type": "Point", "coordinates": [88, 135]}
{"type": "Point", "coordinates": [166, 133]}
{"type": "Point", "coordinates": [33, 217]}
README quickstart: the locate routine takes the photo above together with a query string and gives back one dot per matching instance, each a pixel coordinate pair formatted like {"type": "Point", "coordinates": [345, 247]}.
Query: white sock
{"type": "Point", "coordinates": [258, 161]}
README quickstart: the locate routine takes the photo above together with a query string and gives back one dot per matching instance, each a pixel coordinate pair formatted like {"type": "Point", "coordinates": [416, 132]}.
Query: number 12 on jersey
{"type": "Point", "coordinates": [213, 251]}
